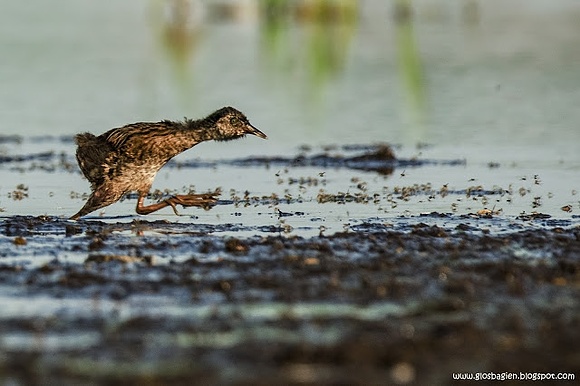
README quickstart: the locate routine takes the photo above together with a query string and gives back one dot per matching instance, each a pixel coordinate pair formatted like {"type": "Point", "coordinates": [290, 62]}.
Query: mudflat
{"type": "Point", "coordinates": [276, 289]}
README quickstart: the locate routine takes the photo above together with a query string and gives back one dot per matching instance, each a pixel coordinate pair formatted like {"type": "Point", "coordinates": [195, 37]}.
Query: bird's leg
{"type": "Point", "coordinates": [146, 209]}
{"type": "Point", "coordinates": [206, 200]}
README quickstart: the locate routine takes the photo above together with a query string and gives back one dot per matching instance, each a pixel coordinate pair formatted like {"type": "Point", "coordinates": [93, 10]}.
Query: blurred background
{"type": "Point", "coordinates": [489, 79]}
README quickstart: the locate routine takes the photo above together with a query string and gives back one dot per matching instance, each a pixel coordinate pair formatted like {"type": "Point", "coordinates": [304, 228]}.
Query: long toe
{"type": "Point", "coordinates": [213, 197]}
{"type": "Point", "coordinates": [202, 200]}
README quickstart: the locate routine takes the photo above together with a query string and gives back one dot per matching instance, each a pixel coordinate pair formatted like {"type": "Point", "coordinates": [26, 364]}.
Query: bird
{"type": "Point", "coordinates": [126, 159]}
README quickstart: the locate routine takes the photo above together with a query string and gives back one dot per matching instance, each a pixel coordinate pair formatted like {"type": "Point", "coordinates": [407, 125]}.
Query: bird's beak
{"type": "Point", "coordinates": [252, 130]}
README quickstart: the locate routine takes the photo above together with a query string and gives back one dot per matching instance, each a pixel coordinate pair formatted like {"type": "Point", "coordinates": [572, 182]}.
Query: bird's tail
{"type": "Point", "coordinates": [98, 199]}
{"type": "Point", "coordinates": [89, 207]}
{"type": "Point", "coordinates": [85, 139]}
{"type": "Point", "coordinates": [91, 155]}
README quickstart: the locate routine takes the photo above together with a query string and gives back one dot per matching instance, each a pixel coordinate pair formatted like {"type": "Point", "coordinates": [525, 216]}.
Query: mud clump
{"type": "Point", "coordinates": [19, 240]}
{"type": "Point", "coordinates": [237, 246]}
{"type": "Point", "coordinates": [383, 152]}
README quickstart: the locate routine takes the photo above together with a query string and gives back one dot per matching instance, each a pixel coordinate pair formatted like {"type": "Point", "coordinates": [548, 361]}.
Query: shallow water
{"type": "Point", "coordinates": [304, 194]}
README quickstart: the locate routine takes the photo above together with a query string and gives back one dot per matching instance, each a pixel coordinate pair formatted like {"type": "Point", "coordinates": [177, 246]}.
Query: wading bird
{"type": "Point", "coordinates": [126, 159]}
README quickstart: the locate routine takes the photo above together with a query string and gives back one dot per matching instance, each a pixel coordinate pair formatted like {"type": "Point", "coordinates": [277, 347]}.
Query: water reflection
{"type": "Point", "coordinates": [307, 41]}
{"type": "Point", "coordinates": [178, 26]}
{"type": "Point", "coordinates": [471, 13]}
{"type": "Point", "coordinates": [469, 72]}
{"type": "Point", "coordinates": [303, 48]}
{"type": "Point", "coordinates": [181, 30]}
{"type": "Point", "coordinates": [410, 68]}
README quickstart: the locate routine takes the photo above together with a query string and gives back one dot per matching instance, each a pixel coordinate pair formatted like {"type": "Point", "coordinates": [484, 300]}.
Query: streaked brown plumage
{"type": "Point", "coordinates": [126, 159]}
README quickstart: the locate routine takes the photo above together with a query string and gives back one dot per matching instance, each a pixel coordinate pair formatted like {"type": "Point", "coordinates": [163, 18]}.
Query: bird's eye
{"type": "Point", "coordinates": [234, 121]}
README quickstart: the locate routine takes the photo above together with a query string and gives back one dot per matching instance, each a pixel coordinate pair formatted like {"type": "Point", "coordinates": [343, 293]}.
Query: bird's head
{"type": "Point", "coordinates": [229, 123]}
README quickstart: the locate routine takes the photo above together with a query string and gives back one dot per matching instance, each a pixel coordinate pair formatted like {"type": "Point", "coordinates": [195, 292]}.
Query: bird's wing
{"type": "Point", "coordinates": [119, 136]}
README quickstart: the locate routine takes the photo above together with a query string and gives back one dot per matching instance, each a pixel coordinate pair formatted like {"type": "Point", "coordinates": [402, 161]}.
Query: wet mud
{"type": "Point", "coordinates": [376, 298]}
{"type": "Point", "coordinates": [156, 302]}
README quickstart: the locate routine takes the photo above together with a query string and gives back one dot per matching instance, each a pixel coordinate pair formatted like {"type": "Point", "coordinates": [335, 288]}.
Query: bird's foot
{"type": "Point", "coordinates": [205, 200]}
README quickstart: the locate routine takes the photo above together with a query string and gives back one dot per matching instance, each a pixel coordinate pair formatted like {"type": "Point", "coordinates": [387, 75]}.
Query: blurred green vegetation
{"type": "Point", "coordinates": [308, 41]}
{"type": "Point", "coordinates": [410, 66]}
{"type": "Point", "coordinates": [303, 44]}
{"type": "Point", "coordinates": [303, 48]}
{"type": "Point", "coordinates": [179, 37]}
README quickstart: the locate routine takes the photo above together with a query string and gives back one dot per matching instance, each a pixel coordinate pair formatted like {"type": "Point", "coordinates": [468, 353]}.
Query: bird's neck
{"type": "Point", "coordinates": [201, 130]}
